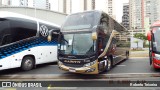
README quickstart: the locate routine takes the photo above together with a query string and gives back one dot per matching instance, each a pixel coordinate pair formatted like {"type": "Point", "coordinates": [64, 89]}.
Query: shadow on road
{"type": "Point", "coordinates": [156, 70]}
{"type": "Point", "coordinates": [18, 70]}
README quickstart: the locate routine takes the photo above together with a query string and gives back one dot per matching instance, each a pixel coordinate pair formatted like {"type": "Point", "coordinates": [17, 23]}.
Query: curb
{"type": "Point", "coordinates": [137, 57]}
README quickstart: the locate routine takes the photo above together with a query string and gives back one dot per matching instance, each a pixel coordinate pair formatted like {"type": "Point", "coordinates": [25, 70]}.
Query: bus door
{"type": "Point", "coordinates": [101, 43]}
{"type": "Point", "coordinates": [100, 47]}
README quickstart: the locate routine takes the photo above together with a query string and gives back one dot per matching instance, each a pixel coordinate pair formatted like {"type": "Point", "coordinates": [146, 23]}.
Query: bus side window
{"type": "Point", "coordinates": [22, 29]}
{"type": "Point", "coordinates": [6, 39]}
{"type": "Point", "coordinates": [105, 25]}
{"type": "Point", "coordinates": [4, 31]}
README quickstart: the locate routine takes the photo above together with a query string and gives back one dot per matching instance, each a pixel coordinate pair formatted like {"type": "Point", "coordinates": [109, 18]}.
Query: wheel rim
{"type": "Point", "coordinates": [28, 64]}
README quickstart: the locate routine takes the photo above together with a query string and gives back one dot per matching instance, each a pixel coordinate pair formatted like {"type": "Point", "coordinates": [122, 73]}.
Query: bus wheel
{"type": "Point", "coordinates": [127, 55]}
{"type": "Point", "coordinates": [27, 63]}
{"type": "Point", "coordinates": [109, 64]}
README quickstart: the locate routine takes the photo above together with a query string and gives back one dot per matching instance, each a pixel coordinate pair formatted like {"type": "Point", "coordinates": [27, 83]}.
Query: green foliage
{"type": "Point", "coordinates": [136, 41]}
{"type": "Point", "coordinates": [140, 36]}
{"type": "Point", "coordinates": [123, 44]}
{"type": "Point", "coordinates": [146, 45]}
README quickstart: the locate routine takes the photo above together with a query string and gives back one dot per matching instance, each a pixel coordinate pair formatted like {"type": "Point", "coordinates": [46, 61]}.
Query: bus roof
{"type": "Point", "coordinates": [6, 14]}
{"type": "Point", "coordinates": [118, 25]}
{"type": "Point", "coordinates": [87, 12]}
{"type": "Point", "coordinates": [157, 23]}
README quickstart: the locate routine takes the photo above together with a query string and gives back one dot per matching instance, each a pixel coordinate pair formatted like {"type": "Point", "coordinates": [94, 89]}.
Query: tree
{"type": "Point", "coordinates": [140, 36]}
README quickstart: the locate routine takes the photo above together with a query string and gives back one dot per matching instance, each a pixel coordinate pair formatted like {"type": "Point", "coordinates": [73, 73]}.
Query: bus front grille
{"type": "Point", "coordinates": [73, 65]}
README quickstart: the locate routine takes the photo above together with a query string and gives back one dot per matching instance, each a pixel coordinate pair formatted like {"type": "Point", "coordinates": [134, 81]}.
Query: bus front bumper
{"type": "Point", "coordinates": [83, 70]}
{"type": "Point", "coordinates": [156, 63]}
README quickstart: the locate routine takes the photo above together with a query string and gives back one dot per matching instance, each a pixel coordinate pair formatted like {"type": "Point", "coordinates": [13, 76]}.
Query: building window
{"type": "Point", "coordinates": [93, 4]}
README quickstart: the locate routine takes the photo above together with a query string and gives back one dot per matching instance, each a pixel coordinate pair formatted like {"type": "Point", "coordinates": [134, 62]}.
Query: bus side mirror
{"type": "Point", "coordinates": [94, 35]}
{"type": "Point", "coordinates": [49, 38]}
{"type": "Point", "coordinates": [51, 32]}
{"type": "Point", "coordinates": [149, 36]}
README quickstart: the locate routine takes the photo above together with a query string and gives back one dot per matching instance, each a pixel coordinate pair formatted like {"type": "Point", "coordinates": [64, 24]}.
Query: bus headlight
{"type": "Point", "coordinates": [157, 57]}
{"type": "Point", "coordinates": [89, 64]}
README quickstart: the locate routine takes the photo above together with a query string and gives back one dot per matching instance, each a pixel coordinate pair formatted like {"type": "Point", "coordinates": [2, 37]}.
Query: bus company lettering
{"type": "Point", "coordinates": [72, 61]}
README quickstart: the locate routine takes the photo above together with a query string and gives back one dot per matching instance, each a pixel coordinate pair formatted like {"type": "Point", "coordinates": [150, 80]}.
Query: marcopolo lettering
{"type": "Point", "coordinates": [72, 61]}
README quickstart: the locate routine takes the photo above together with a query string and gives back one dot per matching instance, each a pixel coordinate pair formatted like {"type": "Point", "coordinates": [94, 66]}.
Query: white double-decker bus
{"type": "Point", "coordinates": [23, 41]}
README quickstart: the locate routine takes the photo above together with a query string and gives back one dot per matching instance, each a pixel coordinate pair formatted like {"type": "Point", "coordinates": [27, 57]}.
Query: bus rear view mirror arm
{"type": "Point", "coordinates": [97, 27]}
{"type": "Point", "coordinates": [51, 32]}
{"type": "Point", "coordinates": [94, 31]}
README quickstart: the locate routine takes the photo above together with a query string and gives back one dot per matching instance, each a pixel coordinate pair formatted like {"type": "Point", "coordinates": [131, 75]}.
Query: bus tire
{"type": "Point", "coordinates": [109, 64]}
{"type": "Point", "coordinates": [27, 63]}
{"type": "Point", "coordinates": [127, 55]}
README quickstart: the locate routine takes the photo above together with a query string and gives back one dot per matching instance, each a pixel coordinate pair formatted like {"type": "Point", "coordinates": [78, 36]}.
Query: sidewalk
{"type": "Point", "coordinates": [144, 53]}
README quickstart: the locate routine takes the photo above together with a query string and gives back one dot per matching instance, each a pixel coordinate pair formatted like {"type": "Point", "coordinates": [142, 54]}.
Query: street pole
{"type": "Point", "coordinates": [35, 9]}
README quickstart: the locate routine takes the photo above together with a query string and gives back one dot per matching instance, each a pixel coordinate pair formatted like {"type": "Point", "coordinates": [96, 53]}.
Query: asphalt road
{"type": "Point", "coordinates": [130, 66]}
{"type": "Point", "coordinates": [133, 69]}
{"type": "Point", "coordinates": [134, 66]}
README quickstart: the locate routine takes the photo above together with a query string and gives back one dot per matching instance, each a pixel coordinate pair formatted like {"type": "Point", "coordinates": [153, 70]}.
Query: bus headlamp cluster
{"type": "Point", "coordinates": [90, 70]}
{"type": "Point", "coordinates": [157, 57]}
{"type": "Point", "coordinates": [89, 64]}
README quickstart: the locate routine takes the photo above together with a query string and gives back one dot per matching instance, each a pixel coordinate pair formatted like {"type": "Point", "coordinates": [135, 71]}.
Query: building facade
{"type": "Point", "coordinates": [42, 4]}
{"type": "Point", "coordinates": [152, 10]}
{"type": "Point", "coordinates": [73, 6]}
{"type": "Point", "coordinates": [125, 17]}
{"type": "Point", "coordinates": [143, 13]}
{"type": "Point", "coordinates": [136, 14]}
{"type": "Point", "coordinates": [24, 3]}
{"type": "Point", "coordinates": [66, 6]}
{"type": "Point", "coordinates": [110, 7]}
{"type": "Point", "coordinates": [11, 2]}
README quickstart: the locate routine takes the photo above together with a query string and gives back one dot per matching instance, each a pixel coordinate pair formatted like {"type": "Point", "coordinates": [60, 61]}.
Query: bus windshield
{"type": "Point", "coordinates": [156, 39]}
{"type": "Point", "coordinates": [81, 21]}
{"type": "Point", "coordinates": [77, 44]}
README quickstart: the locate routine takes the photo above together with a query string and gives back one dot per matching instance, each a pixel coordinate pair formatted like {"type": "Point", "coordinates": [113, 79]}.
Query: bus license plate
{"type": "Point", "coordinates": [72, 70]}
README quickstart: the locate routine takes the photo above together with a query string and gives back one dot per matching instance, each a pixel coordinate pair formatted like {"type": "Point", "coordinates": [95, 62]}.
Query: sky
{"type": "Point", "coordinates": [119, 9]}
{"type": "Point", "coordinates": [118, 6]}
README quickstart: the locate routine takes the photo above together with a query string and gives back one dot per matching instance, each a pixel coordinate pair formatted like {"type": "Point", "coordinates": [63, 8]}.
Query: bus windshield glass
{"type": "Point", "coordinates": [77, 44]}
{"type": "Point", "coordinates": [156, 39]}
{"type": "Point", "coordinates": [81, 21]}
